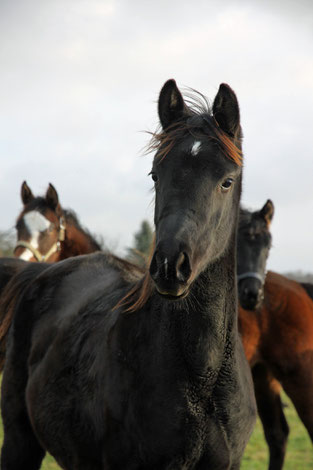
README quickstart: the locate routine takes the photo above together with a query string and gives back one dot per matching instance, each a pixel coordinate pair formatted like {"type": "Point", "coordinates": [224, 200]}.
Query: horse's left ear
{"type": "Point", "coordinates": [226, 110]}
{"type": "Point", "coordinates": [171, 105]}
{"type": "Point", "coordinates": [26, 193]}
{"type": "Point", "coordinates": [52, 197]}
{"type": "Point", "coordinates": [267, 211]}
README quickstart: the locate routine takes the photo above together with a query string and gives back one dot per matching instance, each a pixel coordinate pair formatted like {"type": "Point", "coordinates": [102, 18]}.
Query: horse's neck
{"type": "Point", "coordinates": [76, 243]}
{"type": "Point", "coordinates": [205, 325]}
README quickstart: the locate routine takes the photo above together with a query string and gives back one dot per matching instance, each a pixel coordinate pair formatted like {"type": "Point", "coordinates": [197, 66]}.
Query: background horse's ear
{"type": "Point", "coordinates": [226, 110]}
{"type": "Point", "coordinates": [52, 197]}
{"type": "Point", "coordinates": [26, 193]}
{"type": "Point", "coordinates": [267, 211]}
{"type": "Point", "coordinates": [171, 105]}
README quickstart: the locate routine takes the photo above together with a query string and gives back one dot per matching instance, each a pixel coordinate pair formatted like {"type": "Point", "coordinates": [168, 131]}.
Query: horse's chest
{"type": "Point", "coordinates": [168, 427]}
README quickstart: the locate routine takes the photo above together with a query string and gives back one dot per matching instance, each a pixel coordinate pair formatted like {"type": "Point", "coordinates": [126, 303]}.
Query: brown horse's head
{"type": "Point", "coordinates": [40, 226]}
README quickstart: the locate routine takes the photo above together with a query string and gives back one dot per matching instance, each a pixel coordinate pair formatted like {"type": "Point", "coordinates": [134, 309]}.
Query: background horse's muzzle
{"type": "Point", "coordinates": [250, 292]}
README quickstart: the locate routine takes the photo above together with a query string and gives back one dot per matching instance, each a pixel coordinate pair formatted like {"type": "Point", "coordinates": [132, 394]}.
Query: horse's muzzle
{"type": "Point", "coordinates": [170, 272]}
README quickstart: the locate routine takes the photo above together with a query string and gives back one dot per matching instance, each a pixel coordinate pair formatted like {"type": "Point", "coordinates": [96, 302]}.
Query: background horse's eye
{"type": "Point", "coordinates": [227, 184]}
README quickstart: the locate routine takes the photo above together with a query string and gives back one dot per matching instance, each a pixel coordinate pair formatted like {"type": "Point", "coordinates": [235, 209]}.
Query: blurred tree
{"type": "Point", "coordinates": [299, 276]}
{"type": "Point", "coordinates": [140, 251]}
{"type": "Point", "coordinates": [7, 243]}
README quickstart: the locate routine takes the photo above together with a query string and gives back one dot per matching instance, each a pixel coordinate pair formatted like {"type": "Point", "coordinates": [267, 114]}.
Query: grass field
{"type": "Point", "coordinates": [299, 449]}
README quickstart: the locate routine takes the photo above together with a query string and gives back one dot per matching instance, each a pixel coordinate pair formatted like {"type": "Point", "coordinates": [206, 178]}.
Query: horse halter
{"type": "Point", "coordinates": [54, 248]}
{"type": "Point", "coordinates": [251, 274]}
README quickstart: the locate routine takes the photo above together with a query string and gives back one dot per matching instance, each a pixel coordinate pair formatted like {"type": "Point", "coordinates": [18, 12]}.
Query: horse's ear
{"type": "Point", "coordinates": [267, 211]}
{"type": "Point", "coordinates": [171, 105]}
{"type": "Point", "coordinates": [26, 193]}
{"type": "Point", "coordinates": [226, 110]}
{"type": "Point", "coordinates": [52, 197]}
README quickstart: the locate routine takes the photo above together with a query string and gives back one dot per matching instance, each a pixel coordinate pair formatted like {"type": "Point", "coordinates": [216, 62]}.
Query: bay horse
{"type": "Point", "coordinates": [47, 232]}
{"type": "Point", "coordinates": [277, 333]}
{"type": "Point", "coordinates": [107, 368]}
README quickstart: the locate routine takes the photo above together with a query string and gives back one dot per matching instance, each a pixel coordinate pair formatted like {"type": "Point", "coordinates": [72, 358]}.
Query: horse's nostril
{"type": "Point", "coordinates": [170, 270]}
{"type": "Point", "coordinates": [183, 269]}
{"type": "Point", "coordinates": [154, 267]}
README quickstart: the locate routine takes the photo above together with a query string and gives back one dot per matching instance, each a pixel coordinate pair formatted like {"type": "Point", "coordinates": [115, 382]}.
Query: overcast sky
{"type": "Point", "coordinates": [79, 83]}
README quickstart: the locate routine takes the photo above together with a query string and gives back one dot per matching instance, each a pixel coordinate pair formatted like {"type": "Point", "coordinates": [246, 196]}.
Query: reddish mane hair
{"type": "Point", "coordinates": [164, 140]}
{"type": "Point", "coordinates": [140, 292]}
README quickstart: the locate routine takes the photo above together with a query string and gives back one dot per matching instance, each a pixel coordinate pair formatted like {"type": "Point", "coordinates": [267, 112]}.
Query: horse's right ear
{"type": "Point", "coordinates": [52, 197]}
{"type": "Point", "coordinates": [267, 211]}
{"type": "Point", "coordinates": [226, 110]}
{"type": "Point", "coordinates": [171, 105]}
{"type": "Point", "coordinates": [26, 193]}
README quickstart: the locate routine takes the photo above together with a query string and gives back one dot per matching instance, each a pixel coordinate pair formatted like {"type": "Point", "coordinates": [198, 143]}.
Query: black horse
{"type": "Point", "coordinates": [279, 305]}
{"type": "Point", "coordinates": [109, 369]}
{"type": "Point", "coordinates": [254, 243]}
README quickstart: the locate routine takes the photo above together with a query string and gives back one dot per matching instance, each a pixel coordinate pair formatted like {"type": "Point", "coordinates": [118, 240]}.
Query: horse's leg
{"type": "Point", "coordinates": [276, 430]}
{"type": "Point", "coordinates": [20, 447]}
{"type": "Point", "coordinates": [299, 387]}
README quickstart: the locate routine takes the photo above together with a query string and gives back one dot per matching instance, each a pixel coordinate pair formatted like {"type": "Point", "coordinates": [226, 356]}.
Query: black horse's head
{"type": "Point", "coordinates": [197, 177]}
{"type": "Point", "coordinates": [253, 245]}
{"type": "Point", "coordinates": [40, 226]}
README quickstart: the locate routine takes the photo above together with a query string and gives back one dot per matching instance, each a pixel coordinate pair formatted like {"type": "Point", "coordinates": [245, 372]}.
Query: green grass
{"type": "Point", "coordinates": [299, 449]}
{"type": "Point", "coordinates": [299, 454]}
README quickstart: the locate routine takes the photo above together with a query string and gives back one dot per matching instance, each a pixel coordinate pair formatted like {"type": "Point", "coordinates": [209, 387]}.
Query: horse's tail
{"type": "Point", "coordinates": [14, 282]}
{"type": "Point", "coordinates": [308, 287]}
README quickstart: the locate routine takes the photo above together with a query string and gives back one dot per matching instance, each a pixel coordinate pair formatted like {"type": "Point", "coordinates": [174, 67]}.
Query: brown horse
{"type": "Point", "coordinates": [277, 336]}
{"type": "Point", "coordinates": [46, 232]}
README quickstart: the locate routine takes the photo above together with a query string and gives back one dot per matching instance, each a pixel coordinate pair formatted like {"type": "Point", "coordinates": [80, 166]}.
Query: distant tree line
{"type": "Point", "coordinates": [299, 276]}
{"type": "Point", "coordinates": [7, 242]}
{"type": "Point", "coordinates": [140, 251]}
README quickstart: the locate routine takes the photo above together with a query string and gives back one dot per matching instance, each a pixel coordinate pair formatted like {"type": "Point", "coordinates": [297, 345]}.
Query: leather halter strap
{"type": "Point", "coordinates": [54, 248]}
{"type": "Point", "coordinates": [251, 274]}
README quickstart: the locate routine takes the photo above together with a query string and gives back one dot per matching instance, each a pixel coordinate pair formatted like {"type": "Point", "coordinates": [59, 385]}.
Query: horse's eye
{"type": "Point", "coordinates": [225, 186]}
{"type": "Point", "coordinates": [154, 176]}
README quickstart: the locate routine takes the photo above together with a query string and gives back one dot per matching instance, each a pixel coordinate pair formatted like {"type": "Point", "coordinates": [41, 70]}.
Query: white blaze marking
{"type": "Point", "coordinates": [35, 223]}
{"type": "Point", "coordinates": [195, 148]}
